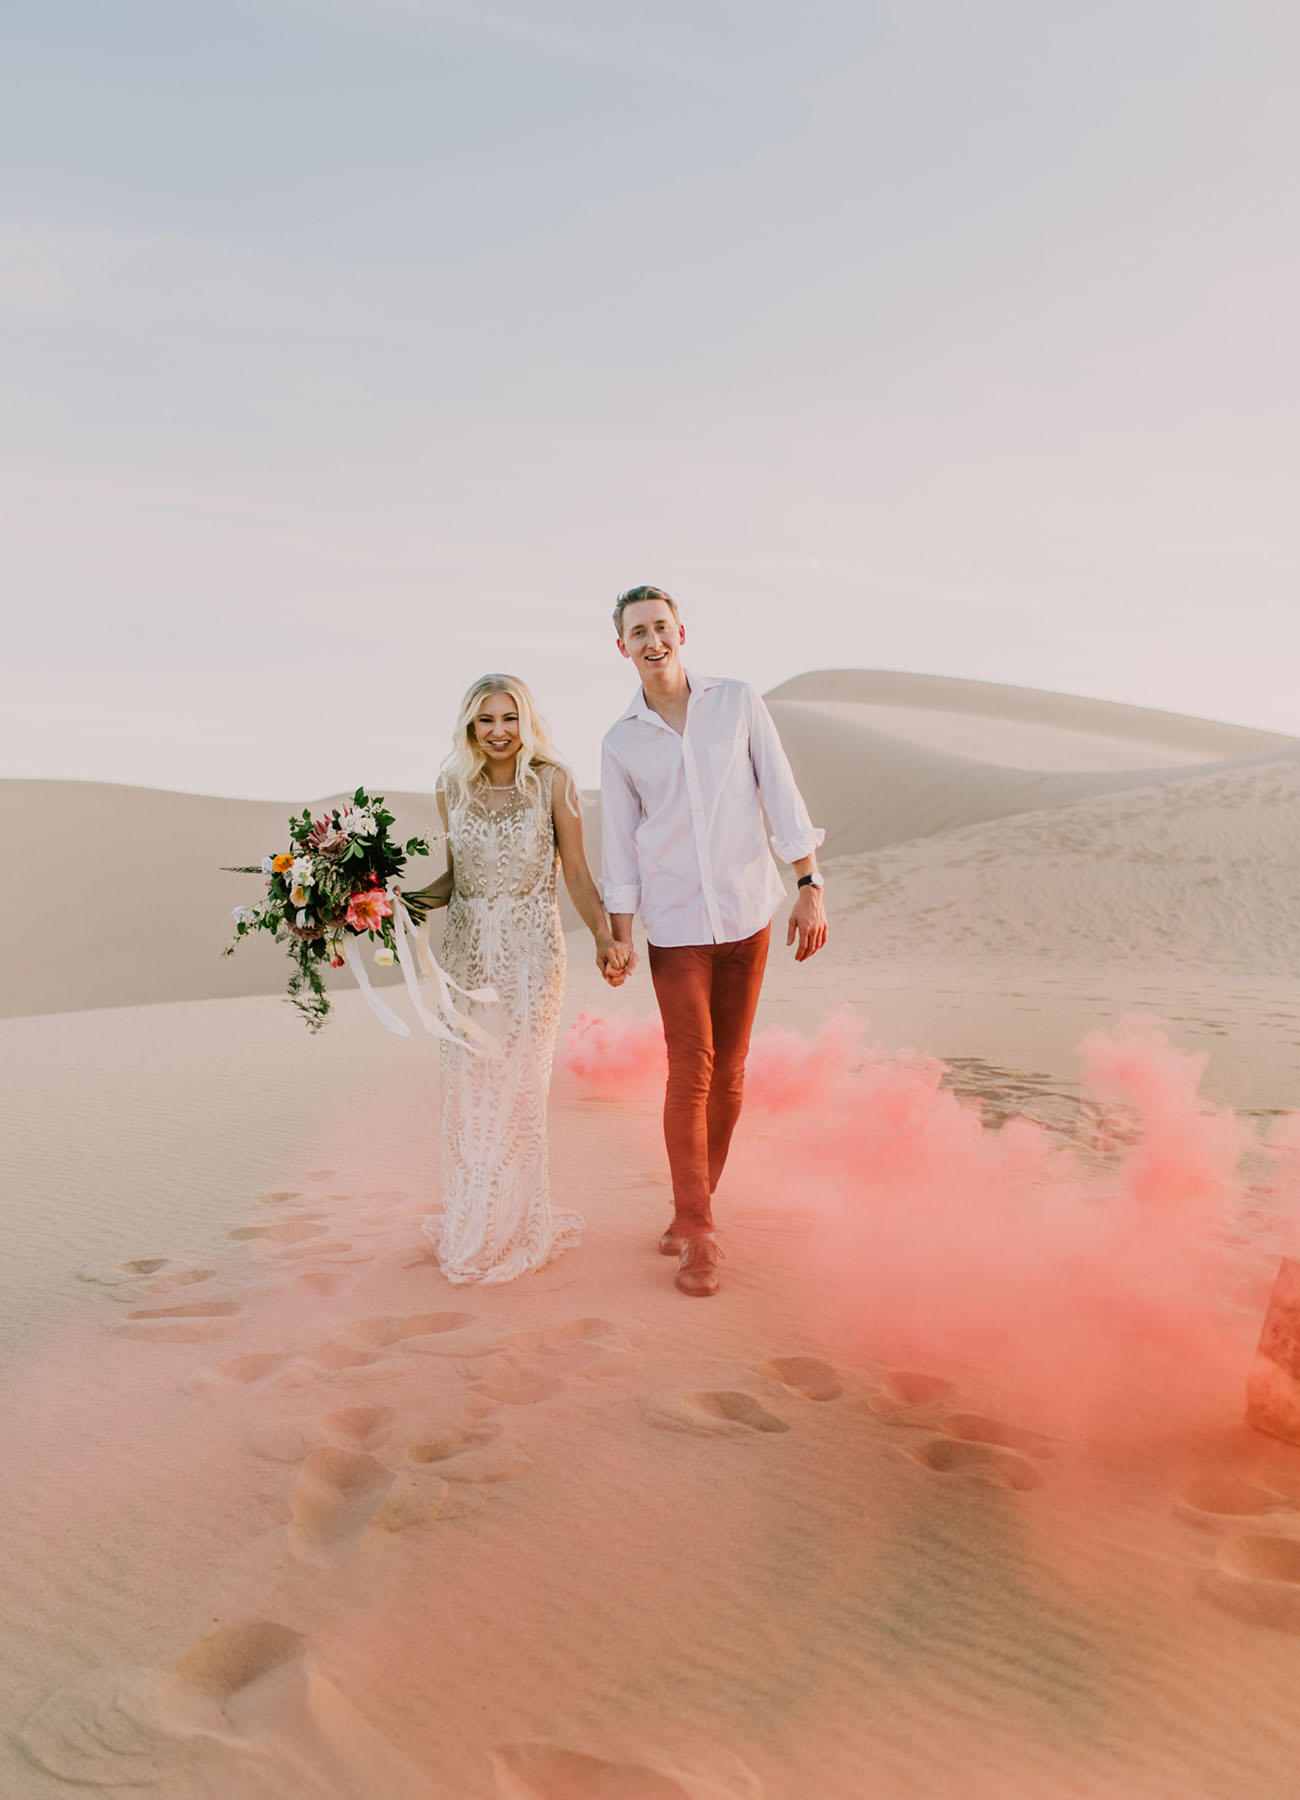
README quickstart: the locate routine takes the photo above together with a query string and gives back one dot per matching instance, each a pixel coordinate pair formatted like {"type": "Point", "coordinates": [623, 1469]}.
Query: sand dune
{"type": "Point", "coordinates": [1196, 872]}
{"type": "Point", "coordinates": [946, 1494]}
{"type": "Point", "coordinates": [1027, 728]}
{"type": "Point", "coordinates": [139, 907]}
{"type": "Point", "coordinates": [882, 759]}
{"type": "Point", "coordinates": [886, 758]}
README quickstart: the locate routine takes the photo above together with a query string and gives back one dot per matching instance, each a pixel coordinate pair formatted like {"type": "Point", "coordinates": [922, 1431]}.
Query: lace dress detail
{"type": "Point", "coordinates": [503, 931]}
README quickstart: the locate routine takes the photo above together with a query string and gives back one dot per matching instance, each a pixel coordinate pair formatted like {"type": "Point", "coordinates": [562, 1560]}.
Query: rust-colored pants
{"type": "Point", "coordinates": [708, 995]}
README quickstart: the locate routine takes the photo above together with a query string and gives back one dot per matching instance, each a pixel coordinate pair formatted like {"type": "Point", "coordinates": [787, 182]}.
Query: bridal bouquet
{"type": "Point", "coordinates": [330, 888]}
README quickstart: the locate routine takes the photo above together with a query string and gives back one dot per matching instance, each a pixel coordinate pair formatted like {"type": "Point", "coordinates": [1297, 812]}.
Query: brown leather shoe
{"type": "Point", "coordinates": [670, 1244]}
{"type": "Point", "coordinates": [697, 1272]}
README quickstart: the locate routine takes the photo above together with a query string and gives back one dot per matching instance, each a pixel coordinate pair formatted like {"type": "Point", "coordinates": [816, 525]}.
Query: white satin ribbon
{"type": "Point", "coordinates": [418, 963]}
{"type": "Point", "coordinates": [382, 1011]}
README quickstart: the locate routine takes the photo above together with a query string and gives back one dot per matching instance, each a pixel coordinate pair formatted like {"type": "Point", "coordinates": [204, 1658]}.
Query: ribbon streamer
{"type": "Point", "coordinates": [412, 950]}
{"type": "Point", "coordinates": [418, 963]}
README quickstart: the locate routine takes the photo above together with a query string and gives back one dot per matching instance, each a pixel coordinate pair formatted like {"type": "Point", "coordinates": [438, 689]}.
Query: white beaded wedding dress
{"type": "Point", "coordinates": [503, 931]}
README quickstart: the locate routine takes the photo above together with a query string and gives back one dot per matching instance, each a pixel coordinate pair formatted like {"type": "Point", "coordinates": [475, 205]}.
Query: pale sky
{"type": "Point", "coordinates": [351, 348]}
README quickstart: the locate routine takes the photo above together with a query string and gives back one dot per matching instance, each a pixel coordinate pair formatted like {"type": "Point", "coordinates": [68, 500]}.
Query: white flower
{"type": "Point", "coordinates": [244, 915]}
{"type": "Point", "coordinates": [303, 872]}
{"type": "Point", "coordinates": [384, 956]}
{"type": "Point", "coordinates": [268, 867]}
{"type": "Point", "coordinates": [360, 824]}
{"type": "Point", "coordinates": [303, 917]}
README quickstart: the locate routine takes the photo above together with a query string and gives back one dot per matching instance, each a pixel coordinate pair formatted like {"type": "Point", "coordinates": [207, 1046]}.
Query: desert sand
{"type": "Point", "coordinates": [948, 1492]}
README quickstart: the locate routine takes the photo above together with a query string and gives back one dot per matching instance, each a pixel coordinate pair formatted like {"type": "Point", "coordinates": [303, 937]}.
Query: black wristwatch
{"type": "Point", "coordinates": [816, 879]}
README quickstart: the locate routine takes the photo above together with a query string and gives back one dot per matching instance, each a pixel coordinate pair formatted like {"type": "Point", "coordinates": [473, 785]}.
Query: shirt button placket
{"type": "Point", "coordinates": [696, 800]}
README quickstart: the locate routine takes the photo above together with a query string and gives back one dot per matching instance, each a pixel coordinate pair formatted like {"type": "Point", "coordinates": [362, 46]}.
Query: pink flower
{"type": "Point", "coordinates": [326, 837]}
{"type": "Point", "coordinates": [368, 908]}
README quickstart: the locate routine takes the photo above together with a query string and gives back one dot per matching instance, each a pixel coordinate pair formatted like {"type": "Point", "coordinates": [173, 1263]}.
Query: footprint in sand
{"type": "Point", "coordinates": [365, 1340]}
{"type": "Point", "coordinates": [512, 1382]}
{"type": "Point", "coordinates": [1220, 1500]}
{"type": "Point", "coordinates": [548, 1772]}
{"type": "Point", "coordinates": [407, 1330]}
{"type": "Point", "coordinates": [341, 1353]}
{"type": "Point", "coordinates": [983, 1462]}
{"type": "Point", "coordinates": [174, 1279]}
{"type": "Point", "coordinates": [363, 1427]}
{"type": "Point", "coordinates": [976, 1428]}
{"type": "Point", "coordinates": [129, 1728]}
{"type": "Point", "coordinates": [806, 1375]}
{"type": "Point", "coordinates": [904, 1391]}
{"type": "Point", "coordinates": [145, 1276]}
{"type": "Point", "coordinates": [336, 1250]}
{"type": "Point", "coordinates": [321, 1284]}
{"type": "Point", "coordinates": [278, 1195]}
{"type": "Point", "coordinates": [201, 1320]}
{"type": "Point", "coordinates": [352, 1427]}
{"type": "Point", "coordinates": [721, 1413]}
{"type": "Point", "coordinates": [287, 1231]}
{"type": "Point", "coordinates": [337, 1494]}
{"type": "Point", "coordinates": [420, 1498]}
{"type": "Point", "coordinates": [557, 1340]}
{"type": "Point", "coordinates": [477, 1455]}
{"type": "Point", "coordinates": [1256, 1576]}
{"type": "Point", "coordinates": [252, 1370]}
{"type": "Point", "coordinates": [244, 1375]}
{"type": "Point", "coordinates": [119, 1274]}
{"type": "Point", "coordinates": [235, 1714]}
{"type": "Point", "coordinates": [593, 1348]}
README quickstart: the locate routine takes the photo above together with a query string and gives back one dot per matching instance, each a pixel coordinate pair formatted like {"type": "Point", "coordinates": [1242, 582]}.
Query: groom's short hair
{"type": "Point", "coordinates": [635, 594]}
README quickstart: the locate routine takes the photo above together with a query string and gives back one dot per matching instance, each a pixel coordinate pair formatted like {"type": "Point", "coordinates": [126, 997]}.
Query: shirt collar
{"type": "Point", "coordinates": [639, 710]}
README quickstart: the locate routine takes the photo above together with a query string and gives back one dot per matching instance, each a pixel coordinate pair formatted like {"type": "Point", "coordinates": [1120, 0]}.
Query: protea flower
{"type": "Point", "coordinates": [326, 838]}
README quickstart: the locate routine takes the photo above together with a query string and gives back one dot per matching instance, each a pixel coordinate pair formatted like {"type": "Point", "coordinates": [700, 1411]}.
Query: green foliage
{"type": "Point", "coordinates": [306, 988]}
{"type": "Point", "coordinates": [334, 882]}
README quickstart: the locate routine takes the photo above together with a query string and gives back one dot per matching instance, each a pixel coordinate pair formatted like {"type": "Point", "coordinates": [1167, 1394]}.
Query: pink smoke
{"type": "Point", "coordinates": [929, 1237]}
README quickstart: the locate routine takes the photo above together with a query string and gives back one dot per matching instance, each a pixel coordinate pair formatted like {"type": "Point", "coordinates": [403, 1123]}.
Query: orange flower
{"type": "Point", "coordinates": [281, 863]}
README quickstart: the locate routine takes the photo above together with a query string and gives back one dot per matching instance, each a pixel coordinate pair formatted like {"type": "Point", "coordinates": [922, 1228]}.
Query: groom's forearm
{"type": "Point", "coordinates": [621, 925]}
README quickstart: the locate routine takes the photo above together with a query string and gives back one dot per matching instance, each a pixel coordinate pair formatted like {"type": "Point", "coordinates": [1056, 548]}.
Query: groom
{"type": "Point", "coordinates": [682, 774]}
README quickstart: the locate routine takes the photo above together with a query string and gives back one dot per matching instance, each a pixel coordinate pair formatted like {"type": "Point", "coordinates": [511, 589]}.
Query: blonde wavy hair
{"type": "Point", "coordinates": [467, 761]}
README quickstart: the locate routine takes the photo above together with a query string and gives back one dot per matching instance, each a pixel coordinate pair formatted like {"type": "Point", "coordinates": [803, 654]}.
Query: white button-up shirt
{"type": "Point", "coordinates": [683, 840]}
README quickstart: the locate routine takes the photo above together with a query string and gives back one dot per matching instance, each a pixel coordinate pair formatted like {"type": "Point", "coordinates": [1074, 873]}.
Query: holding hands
{"type": "Point", "coordinates": [615, 959]}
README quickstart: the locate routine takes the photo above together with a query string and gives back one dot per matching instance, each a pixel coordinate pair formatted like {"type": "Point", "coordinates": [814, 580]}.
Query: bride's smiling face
{"type": "Point", "coordinates": [496, 732]}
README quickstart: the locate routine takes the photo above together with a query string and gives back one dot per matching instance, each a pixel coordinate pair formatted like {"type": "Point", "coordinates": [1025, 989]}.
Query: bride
{"type": "Point", "coordinates": [510, 812]}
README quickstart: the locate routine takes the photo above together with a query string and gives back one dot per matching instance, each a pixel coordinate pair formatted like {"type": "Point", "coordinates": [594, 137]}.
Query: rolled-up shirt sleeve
{"type": "Point", "coordinates": [794, 835]}
{"type": "Point", "coordinates": [620, 814]}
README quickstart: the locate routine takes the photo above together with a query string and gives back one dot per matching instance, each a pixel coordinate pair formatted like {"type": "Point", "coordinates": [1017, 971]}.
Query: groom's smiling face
{"type": "Point", "coordinates": [652, 638]}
